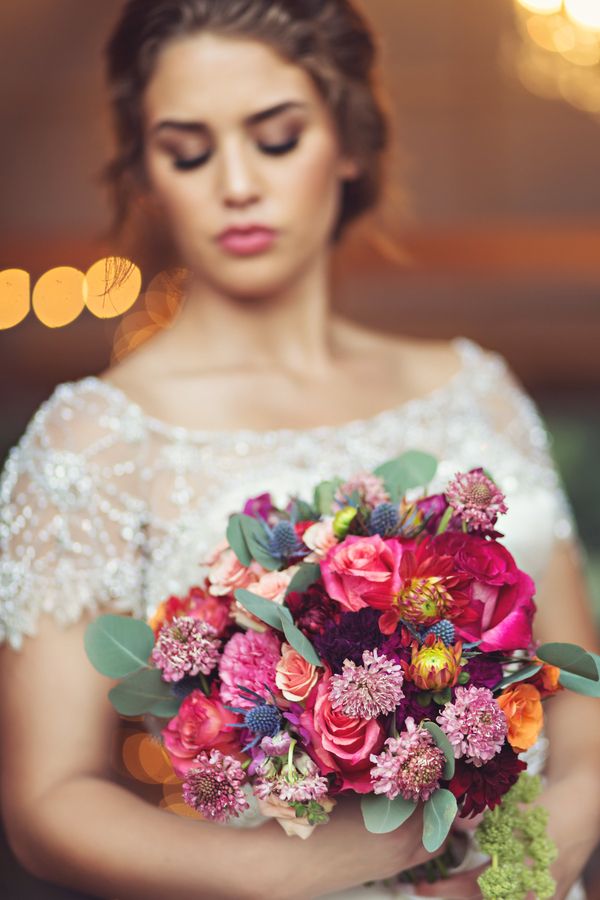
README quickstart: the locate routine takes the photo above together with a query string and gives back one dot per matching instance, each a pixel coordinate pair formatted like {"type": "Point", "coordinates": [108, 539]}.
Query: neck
{"type": "Point", "coordinates": [288, 332]}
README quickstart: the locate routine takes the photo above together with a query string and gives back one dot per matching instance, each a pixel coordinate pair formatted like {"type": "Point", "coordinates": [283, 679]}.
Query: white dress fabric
{"type": "Point", "coordinates": [104, 508]}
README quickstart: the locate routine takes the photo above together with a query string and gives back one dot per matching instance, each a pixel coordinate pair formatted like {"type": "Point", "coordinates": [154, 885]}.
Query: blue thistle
{"type": "Point", "coordinates": [283, 541]}
{"type": "Point", "coordinates": [263, 719]}
{"type": "Point", "coordinates": [181, 689]}
{"type": "Point", "coordinates": [384, 520]}
{"type": "Point", "coordinates": [444, 630]}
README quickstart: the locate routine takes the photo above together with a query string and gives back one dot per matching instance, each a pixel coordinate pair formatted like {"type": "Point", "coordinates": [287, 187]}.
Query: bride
{"type": "Point", "coordinates": [252, 130]}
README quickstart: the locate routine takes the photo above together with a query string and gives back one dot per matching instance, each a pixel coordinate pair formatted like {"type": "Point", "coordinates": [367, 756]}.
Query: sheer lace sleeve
{"type": "Point", "coordinates": [539, 508]}
{"type": "Point", "coordinates": [72, 523]}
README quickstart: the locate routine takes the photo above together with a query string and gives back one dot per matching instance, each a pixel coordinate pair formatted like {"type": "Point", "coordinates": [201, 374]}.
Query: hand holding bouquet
{"type": "Point", "coordinates": [376, 639]}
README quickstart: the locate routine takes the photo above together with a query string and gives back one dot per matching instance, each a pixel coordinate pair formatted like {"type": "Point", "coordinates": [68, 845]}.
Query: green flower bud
{"type": "Point", "coordinates": [342, 521]}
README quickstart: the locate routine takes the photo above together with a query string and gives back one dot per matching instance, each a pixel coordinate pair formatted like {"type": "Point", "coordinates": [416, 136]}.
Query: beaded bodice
{"type": "Point", "coordinates": [107, 508]}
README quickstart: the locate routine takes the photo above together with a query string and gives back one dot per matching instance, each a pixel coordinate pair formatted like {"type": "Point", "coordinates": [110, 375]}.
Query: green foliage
{"type": "Point", "coordinates": [248, 540]}
{"type": "Point", "coordinates": [519, 675]}
{"type": "Point", "coordinates": [297, 639]}
{"type": "Point", "coordinates": [412, 469]}
{"type": "Point", "coordinates": [515, 837]}
{"type": "Point", "coordinates": [570, 658]}
{"type": "Point", "coordinates": [263, 609]}
{"type": "Point", "coordinates": [381, 815]}
{"type": "Point", "coordinates": [445, 746]}
{"type": "Point", "coordinates": [118, 645]}
{"type": "Point", "coordinates": [439, 812]}
{"type": "Point", "coordinates": [144, 692]}
{"type": "Point", "coordinates": [582, 685]}
{"type": "Point", "coordinates": [324, 494]}
{"type": "Point", "coordinates": [306, 575]}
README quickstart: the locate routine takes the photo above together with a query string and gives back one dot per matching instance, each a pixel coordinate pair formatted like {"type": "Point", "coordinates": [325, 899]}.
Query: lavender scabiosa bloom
{"type": "Point", "coordinates": [476, 499]}
{"type": "Point", "coordinates": [213, 786]}
{"type": "Point", "coordinates": [296, 782]}
{"type": "Point", "coordinates": [474, 724]}
{"type": "Point", "coordinates": [411, 765]}
{"type": "Point", "coordinates": [370, 690]}
{"type": "Point", "coordinates": [277, 745]}
{"type": "Point", "coordinates": [186, 646]}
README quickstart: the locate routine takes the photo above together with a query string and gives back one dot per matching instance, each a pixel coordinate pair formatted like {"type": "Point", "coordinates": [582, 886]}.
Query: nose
{"type": "Point", "coordinates": [239, 180]}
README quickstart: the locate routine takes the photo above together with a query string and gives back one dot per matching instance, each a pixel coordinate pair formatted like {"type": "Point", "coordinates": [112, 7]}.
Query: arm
{"type": "Point", "coordinates": [68, 823]}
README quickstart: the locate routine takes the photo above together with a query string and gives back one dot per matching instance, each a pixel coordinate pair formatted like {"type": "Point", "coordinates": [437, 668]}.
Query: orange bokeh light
{"type": "Point", "coordinates": [59, 296]}
{"type": "Point", "coordinates": [15, 302]}
{"type": "Point", "coordinates": [114, 285]}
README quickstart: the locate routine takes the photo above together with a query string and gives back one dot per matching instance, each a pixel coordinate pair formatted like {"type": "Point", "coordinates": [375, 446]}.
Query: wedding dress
{"type": "Point", "coordinates": [105, 508]}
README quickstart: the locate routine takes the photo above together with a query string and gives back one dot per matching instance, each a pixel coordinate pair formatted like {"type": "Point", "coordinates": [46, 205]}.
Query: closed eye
{"type": "Point", "coordinates": [271, 149]}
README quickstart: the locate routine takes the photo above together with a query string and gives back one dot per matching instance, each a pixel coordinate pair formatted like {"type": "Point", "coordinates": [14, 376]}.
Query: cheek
{"type": "Point", "coordinates": [313, 186]}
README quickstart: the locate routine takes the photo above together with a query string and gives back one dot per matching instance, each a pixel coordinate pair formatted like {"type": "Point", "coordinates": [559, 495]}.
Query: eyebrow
{"type": "Point", "coordinates": [252, 119]}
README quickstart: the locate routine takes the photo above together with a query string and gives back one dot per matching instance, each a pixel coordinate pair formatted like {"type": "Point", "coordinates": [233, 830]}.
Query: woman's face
{"type": "Point", "coordinates": [235, 136]}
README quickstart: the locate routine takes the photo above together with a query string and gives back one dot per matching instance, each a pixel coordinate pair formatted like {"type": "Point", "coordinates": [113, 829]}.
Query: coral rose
{"type": "Point", "coordinates": [201, 724]}
{"type": "Point", "coordinates": [522, 707]}
{"type": "Point", "coordinates": [361, 566]}
{"type": "Point", "coordinates": [294, 676]}
{"type": "Point", "coordinates": [340, 744]}
{"type": "Point", "coordinates": [226, 572]}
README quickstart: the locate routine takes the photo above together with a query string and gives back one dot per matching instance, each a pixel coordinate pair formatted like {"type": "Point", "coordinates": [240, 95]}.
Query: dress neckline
{"type": "Point", "coordinates": [466, 349]}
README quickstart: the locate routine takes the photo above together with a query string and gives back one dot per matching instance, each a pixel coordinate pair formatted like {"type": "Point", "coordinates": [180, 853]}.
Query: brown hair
{"type": "Point", "coordinates": [330, 39]}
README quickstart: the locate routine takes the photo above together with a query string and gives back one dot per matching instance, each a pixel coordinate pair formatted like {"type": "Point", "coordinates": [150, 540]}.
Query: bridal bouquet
{"type": "Point", "coordinates": [375, 639]}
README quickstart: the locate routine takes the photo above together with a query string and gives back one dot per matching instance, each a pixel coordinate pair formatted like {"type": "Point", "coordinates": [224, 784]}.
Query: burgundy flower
{"type": "Point", "coordinates": [484, 672]}
{"type": "Point", "coordinates": [481, 787]}
{"type": "Point", "coordinates": [313, 610]}
{"type": "Point", "coordinates": [348, 638]}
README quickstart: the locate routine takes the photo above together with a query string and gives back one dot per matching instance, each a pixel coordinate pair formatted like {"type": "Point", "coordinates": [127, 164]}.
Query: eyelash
{"type": "Point", "coordinates": [272, 150]}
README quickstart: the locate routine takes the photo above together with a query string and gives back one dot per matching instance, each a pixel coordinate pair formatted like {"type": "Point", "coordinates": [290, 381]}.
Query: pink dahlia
{"type": "Point", "coordinates": [371, 490]}
{"type": "Point", "coordinates": [249, 659]}
{"type": "Point", "coordinates": [474, 724]}
{"type": "Point", "coordinates": [476, 499]}
{"type": "Point", "coordinates": [186, 646]}
{"type": "Point", "coordinates": [411, 765]}
{"type": "Point", "coordinates": [213, 786]}
{"type": "Point", "coordinates": [370, 690]}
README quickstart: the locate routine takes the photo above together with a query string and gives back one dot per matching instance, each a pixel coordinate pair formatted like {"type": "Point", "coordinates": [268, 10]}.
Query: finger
{"type": "Point", "coordinates": [456, 887]}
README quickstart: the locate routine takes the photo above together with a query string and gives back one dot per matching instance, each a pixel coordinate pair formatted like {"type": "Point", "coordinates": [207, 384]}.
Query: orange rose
{"type": "Point", "coordinates": [522, 707]}
{"type": "Point", "coordinates": [546, 680]}
{"type": "Point", "coordinates": [294, 676]}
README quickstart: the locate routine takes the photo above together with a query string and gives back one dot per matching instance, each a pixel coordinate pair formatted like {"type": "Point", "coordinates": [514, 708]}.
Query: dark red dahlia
{"type": "Point", "coordinates": [346, 639]}
{"type": "Point", "coordinates": [481, 787]}
{"type": "Point", "coordinates": [313, 609]}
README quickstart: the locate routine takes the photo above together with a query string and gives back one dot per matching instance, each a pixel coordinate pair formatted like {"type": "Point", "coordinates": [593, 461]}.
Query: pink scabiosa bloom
{"type": "Point", "coordinates": [249, 660]}
{"type": "Point", "coordinates": [213, 786]}
{"type": "Point", "coordinates": [186, 646]}
{"type": "Point", "coordinates": [278, 745]}
{"type": "Point", "coordinates": [476, 499]}
{"type": "Point", "coordinates": [411, 765]}
{"type": "Point", "coordinates": [371, 490]}
{"type": "Point", "coordinates": [474, 724]}
{"type": "Point", "coordinates": [370, 690]}
{"type": "Point", "coordinates": [298, 782]}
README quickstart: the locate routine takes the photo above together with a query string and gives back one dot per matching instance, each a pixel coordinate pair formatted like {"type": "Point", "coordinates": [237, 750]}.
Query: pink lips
{"type": "Point", "coordinates": [245, 241]}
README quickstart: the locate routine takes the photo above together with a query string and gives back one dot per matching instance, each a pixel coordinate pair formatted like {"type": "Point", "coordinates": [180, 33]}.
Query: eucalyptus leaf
{"type": "Point", "coordinates": [263, 609]}
{"type": "Point", "coordinates": [523, 672]}
{"type": "Point", "coordinates": [586, 686]}
{"type": "Point", "coordinates": [139, 693]}
{"type": "Point", "coordinates": [570, 658]}
{"type": "Point", "coordinates": [118, 645]}
{"type": "Point", "coordinates": [306, 575]}
{"type": "Point", "coordinates": [382, 815]}
{"type": "Point", "coordinates": [237, 540]}
{"type": "Point", "coordinates": [298, 640]}
{"type": "Point", "coordinates": [439, 812]}
{"type": "Point", "coordinates": [166, 709]}
{"type": "Point", "coordinates": [412, 469]}
{"type": "Point", "coordinates": [445, 746]}
{"type": "Point", "coordinates": [256, 541]}
{"type": "Point", "coordinates": [324, 494]}
{"type": "Point", "coordinates": [304, 511]}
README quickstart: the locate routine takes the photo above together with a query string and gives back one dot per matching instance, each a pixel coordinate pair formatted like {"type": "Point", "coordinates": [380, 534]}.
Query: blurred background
{"type": "Point", "coordinates": [490, 226]}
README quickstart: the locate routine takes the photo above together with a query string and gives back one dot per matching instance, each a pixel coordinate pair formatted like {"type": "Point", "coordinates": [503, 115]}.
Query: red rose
{"type": "Point", "coordinates": [341, 744]}
{"type": "Point", "coordinates": [502, 608]}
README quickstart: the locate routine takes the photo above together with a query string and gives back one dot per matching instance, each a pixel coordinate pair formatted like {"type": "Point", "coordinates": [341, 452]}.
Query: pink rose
{"type": "Point", "coordinates": [226, 573]}
{"type": "Point", "coordinates": [273, 585]}
{"type": "Point", "coordinates": [320, 538]}
{"type": "Point", "coordinates": [200, 724]}
{"type": "Point", "coordinates": [294, 676]}
{"type": "Point", "coordinates": [360, 566]}
{"type": "Point", "coordinates": [341, 744]}
{"type": "Point", "coordinates": [502, 607]}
